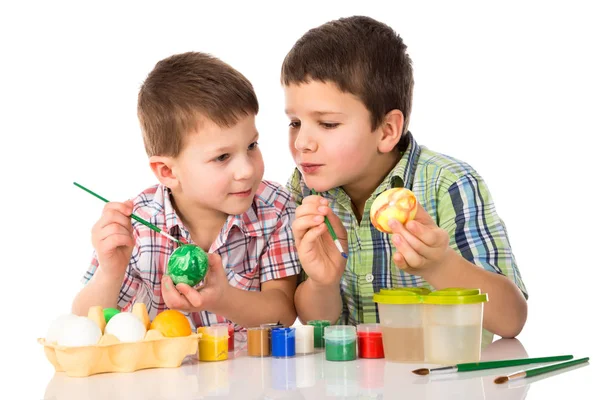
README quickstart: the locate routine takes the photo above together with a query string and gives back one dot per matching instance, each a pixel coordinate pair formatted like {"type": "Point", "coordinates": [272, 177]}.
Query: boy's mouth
{"type": "Point", "coordinates": [309, 168]}
{"type": "Point", "coordinates": [245, 193]}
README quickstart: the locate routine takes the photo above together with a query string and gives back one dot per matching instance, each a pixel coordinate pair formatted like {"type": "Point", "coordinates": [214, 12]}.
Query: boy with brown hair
{"type": "Point", "coordinates": [197, 116]}
{"type": "Point", "coordinates": [348, 91]}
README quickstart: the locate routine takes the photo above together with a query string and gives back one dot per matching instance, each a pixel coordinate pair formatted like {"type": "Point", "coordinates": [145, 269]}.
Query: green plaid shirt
{"type": "Point", "coordinates": [453, 194]}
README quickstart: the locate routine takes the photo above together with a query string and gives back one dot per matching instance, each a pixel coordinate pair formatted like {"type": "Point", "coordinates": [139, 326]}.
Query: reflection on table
{"type": "Point", "coordinates": [310, 377]}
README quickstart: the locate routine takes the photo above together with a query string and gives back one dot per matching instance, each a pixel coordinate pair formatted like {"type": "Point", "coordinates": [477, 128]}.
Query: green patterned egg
{"type": "Point", "coordinates": [188, 264]}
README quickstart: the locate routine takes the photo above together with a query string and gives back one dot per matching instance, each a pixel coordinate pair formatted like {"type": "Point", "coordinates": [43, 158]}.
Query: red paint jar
{"type": "Point", "coordinates": [231, 333]}
{"type": "Point", "coordinates": [370, 341]}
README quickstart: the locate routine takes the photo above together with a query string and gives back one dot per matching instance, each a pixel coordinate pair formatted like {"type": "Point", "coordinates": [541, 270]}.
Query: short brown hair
{"type": "Point", "coordinates": [361, 56]}
{"type": "Point", "coordinates": [183, 89]}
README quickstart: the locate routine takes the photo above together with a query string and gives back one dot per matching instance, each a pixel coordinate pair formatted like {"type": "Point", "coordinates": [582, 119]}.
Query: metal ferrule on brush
{"type": "Point", "coordinates": [444, 370]}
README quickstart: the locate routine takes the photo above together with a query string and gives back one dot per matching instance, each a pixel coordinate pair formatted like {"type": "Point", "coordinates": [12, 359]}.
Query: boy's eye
{"type": "Point", "coordinates": [330, 125]}
{"type": "Point", "coordinates": [295, 124]}
{"type": "Point", "coordinates": [253, 146]}
{"type": "Point", "coordinates": [222, 157]}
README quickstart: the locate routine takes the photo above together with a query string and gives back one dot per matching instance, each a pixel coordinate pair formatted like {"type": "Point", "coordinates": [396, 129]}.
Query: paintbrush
{"type": "Point", "coordinates": [538, 371]}
{"type": "Point", "coordinates": [489, 365]}
{"type": "Point", "coordinates": [336, 241]}
{"type": "Point", "coordinates": [135, 217]}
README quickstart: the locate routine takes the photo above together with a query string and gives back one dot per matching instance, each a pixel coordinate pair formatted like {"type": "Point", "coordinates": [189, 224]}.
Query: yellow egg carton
{"type": "Point", "coordinates": [111, 355]}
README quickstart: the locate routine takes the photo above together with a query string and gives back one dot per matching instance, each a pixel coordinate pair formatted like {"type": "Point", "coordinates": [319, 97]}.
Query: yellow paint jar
{"type": "Point", "coordinates": [213, 345]}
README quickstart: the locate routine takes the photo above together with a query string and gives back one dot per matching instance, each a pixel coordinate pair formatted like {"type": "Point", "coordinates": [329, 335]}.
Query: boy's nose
{"type": "Point", "coordinates": [304, 141]}
{"type": "Point", "coordinates": [244, 169]}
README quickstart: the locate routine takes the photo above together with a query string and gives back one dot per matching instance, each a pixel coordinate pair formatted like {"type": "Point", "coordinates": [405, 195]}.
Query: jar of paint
{"type": "Point", "coordinates": [319, 331]}
{"type": "Point", "coordinates": [283, 342]}
{"type": "Point", "coordinates": [370, 341]}
{"type": "Point", "coordinates": [340, 343]}
{"type": "Point", "coordinates": [453, 325]}
{"type": "Point", "coordinates": [270, 327]}
{"type": "Point", "coordinates": [230, 333]}
{"type": "Point", "coordinates": [213, 345]}
{"type": "Point", "coordinates": [401, 320]}
{"type": "Point", "coordinates": [305, 339]}
{"type": "Point", "coordinates": [258, 342]}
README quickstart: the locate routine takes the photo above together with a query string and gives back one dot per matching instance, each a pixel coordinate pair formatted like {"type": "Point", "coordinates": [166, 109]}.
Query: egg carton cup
{"type": "Point", "coordinates": [111, 355]}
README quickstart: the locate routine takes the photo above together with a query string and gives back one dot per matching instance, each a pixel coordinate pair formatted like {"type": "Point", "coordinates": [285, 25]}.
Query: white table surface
{"type": "Point", "coordinates": [312, 377]}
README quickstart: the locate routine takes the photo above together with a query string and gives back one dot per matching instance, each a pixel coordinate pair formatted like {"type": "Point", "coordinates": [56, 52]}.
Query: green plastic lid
{"type": "Point", "coordinates": [397, 296]}
{"type": "Point", "coordinates": [451, 296]}
{"type": "Point", "coordinates": [418, 290]}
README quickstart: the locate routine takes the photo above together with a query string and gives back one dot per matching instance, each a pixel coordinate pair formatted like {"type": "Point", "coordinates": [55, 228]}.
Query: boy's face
{"type": "Point", "coordinates": [220, 169]}
{"type": "Point", "coordinates": [330, 135]}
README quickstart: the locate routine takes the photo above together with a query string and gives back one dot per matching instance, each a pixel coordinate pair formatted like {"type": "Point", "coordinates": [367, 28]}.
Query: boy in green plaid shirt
{"type": "Point", "coordinates": [348, 91]}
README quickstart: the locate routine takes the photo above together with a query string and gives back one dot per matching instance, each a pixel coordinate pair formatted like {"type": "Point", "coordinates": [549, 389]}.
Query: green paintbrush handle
{"type": "Point", "coordinates": [138, 219]}
{"type": "Point", "coordinates": [508, 363]}
{"type": "Point", "coordinates": [554, 367]}
{"type": "Point", "coordinates": [327, 223]}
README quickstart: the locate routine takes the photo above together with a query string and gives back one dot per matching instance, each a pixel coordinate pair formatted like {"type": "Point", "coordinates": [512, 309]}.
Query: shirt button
{"type": "Point", "coordinates": [369, 278]}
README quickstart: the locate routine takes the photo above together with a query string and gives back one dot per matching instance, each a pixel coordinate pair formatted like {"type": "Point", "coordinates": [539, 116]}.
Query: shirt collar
{"type": "Point", "coordinates": [247, 222]}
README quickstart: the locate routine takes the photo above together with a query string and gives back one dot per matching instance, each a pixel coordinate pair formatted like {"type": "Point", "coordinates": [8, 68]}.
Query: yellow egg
{"type": "Point", "coordinates": [171, 323]}
{"type": "Point", "coordinates": [396, 203]}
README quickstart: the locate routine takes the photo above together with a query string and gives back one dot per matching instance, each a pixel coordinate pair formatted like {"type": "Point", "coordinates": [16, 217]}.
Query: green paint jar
{"type": "Point", "coordinates": [340, 343]}
{"type": "Point", "coordinates": [319, 331]}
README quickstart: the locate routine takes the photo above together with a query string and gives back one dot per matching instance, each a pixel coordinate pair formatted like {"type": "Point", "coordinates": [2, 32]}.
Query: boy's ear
{"type": "Point", "coordinates": [163, 170]}
{"type": "Point", "coordinates": [391, 131]}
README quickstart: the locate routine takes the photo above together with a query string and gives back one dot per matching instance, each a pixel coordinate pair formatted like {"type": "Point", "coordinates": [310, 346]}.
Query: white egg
{"type": "Point", "coordinates": [79, 331]}
{"type": "Point", "coordinates": [57, 326]}
{"type": "Point", "coordinates": [126, 327]}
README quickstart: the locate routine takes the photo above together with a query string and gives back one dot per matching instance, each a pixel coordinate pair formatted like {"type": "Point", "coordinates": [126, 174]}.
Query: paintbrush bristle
{"type": "Point", "coordinates": [421, 371]}
{"type": "Point", "coordinates": [501, 379]}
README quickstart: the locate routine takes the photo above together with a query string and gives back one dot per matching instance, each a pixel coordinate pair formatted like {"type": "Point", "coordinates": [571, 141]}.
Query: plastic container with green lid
{"type": "Point", "coordinates": [453, 325]}
{"type": "Point", "coordinates": [401, 320]}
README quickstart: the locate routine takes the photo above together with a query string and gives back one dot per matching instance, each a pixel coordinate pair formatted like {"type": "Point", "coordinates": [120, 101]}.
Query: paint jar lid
{"type": "Point", "coordinates": [452, 296]}
{"type": "Point", "coordinates": [398, 296]}
{"type": "Point", "coordinates": [319, 322]}
{"type": "Point", "coordinates": [283, 333]}
{"type": "Point", "coordinates": [340, 333]}
{"type": "Point", "coordinates": [272, 325]}
{"type": "Point", "coordinates": [258, 328]}
{"type": "Point", "coordinates": [418, 290]}
{"type": "Point", "coordinates": [214, 332]}
{"type": "Point", "coordinates": [368, 328]}
{"type": "Point", "coordinates": [305, 328]}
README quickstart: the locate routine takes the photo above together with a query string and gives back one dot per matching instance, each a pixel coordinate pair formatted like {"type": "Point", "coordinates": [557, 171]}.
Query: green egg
{"type": "Point", "coordinates": [188, 264]}
{"type": "Point", "coordinates": [109, 313]}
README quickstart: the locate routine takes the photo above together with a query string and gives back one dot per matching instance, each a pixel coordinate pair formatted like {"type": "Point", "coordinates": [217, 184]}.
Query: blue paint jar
{"type": "Point", "coordinates": [283, 342]}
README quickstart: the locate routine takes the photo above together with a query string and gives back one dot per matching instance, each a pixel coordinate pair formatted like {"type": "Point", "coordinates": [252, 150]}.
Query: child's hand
{"type": "Point", "coordinates": [112, 237]}
{"type": "Point", "coordinates": [421, 244]}
{"type": "Point", "coordinates": [206, 298]}
{"type": "Point", "coordinates": [318, 255]}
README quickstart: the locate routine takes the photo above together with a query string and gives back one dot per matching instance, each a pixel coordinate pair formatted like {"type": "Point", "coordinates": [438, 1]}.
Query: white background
{"type": "Point", "coordinates": [511, 88]}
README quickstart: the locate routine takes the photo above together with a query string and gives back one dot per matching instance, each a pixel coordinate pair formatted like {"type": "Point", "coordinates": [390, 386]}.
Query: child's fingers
{"type": "Point", "coordinates": [423, 216]}
{"type": "Point", "coordinates": [111, 230]}
{"type": "Point", "coordinates": [115, 241]}
{"type": "Point", "coordinates": [114, 217]}
{"type": "Point", "coordinates": [399, 261]}
{"type": "Point", "coordinates": [412, 258]}
{"type": "Point", "coordinates": [173, 299]}
{"type": "Point", "coordinates": [124, 208]}
{"type": "Point", "coordinates": [414, 242]}
{"type": "Point", "coordinates": [309, 209]}
{"type": "Point", "coordinates": [193, 297]}
{"type": "Point", "coordinates": [303, 224]}
{"type": "Point", "coordinates": [312, 235]}
{"type": "Point", "coordinates": [313, 199]}
{"type": "Point", "coordinates": [335, 222]}
{"type": "Point", "coordinates": [425, 234]}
